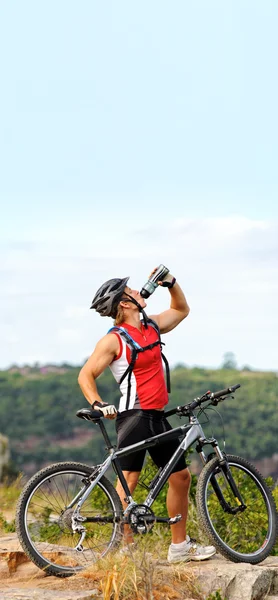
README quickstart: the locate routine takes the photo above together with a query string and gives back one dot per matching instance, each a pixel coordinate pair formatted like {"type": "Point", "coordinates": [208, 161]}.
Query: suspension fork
{"type": "Point", "coordinates": [223, 466]}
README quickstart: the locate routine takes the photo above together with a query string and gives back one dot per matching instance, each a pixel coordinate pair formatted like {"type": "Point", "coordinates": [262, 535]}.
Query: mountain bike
{"type": "Point", "coordinates": [69, 515]}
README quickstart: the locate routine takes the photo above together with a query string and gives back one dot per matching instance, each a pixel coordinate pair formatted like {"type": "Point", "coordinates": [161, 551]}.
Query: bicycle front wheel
{"type": "Point", "coordinates": [44, 519]}
{"type": "Point", "coordinates": [241, 536]}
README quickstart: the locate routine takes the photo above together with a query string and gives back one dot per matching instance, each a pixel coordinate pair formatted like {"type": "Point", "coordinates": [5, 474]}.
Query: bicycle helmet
{"type": "Point", "coordinates": [108, 297]}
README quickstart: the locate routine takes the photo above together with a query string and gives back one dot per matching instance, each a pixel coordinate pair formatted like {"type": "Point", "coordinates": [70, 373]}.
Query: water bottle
{"type": "Point", "coordinates": [152, 284]}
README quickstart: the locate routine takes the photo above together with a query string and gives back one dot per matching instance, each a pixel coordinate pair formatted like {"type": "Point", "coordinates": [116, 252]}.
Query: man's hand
{"type": "Point", "coordinates": [168, 281]}
{"type": "Point", "coordinates": [109, 411]}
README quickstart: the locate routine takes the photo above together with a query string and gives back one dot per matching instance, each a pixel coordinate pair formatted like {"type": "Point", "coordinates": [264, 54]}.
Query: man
{"type": "Point", "coordinates": [144, 395]}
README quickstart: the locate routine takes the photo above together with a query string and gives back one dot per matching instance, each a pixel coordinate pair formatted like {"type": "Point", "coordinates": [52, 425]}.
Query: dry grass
{"type": "Point", "coordinates": [9, 494]}
{"type": "Point", "coordinates": [141, 575]}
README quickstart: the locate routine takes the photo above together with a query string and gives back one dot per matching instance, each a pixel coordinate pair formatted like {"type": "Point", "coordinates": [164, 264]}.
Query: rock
{"type": "Point", "coordinates": [9, 542]}
{"type": "Point", "coordinates": [274, 587]}
{"type": "Point", "coordinates": [14, 559]}
{"type": "Point", "coordinates": [236, 581]}
{"type": "Point", "coordinates": [11, 555]}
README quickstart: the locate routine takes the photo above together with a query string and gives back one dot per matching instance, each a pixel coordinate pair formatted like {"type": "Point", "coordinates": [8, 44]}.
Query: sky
{"type": "Point", "coordinates": [134, 134]}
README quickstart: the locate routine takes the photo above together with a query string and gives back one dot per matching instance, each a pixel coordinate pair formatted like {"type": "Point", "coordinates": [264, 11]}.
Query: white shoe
{"type": "Point", "coordinates": [189, 550]}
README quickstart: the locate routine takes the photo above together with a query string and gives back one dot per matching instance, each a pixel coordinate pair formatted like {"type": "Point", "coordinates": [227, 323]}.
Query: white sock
{"type": "Point", "coordinates": [179, 546]}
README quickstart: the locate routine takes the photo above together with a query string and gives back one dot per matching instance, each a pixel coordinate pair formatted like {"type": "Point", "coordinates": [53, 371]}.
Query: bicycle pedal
{"type": "Point", "coordinates": [174, 520]}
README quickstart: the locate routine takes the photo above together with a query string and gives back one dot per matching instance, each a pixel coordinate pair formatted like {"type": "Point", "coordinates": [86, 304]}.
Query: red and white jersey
{"type": "Point", "coordinates": [148, 387]}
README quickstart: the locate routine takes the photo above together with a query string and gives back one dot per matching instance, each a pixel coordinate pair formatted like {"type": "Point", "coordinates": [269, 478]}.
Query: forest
{"type": "Point", "coordinates": [38, 412]}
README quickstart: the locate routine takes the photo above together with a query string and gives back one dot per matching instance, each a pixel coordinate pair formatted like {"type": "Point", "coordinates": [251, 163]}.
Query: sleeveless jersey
{"type": "Point", "coordinates": [148, 388]}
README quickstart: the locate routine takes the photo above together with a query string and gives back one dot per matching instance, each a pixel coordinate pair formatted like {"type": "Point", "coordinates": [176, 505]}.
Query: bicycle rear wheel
{"type": "Point", "coordinates": [44, 524]}
{"type": "Point", "coordinates": [246, 536]}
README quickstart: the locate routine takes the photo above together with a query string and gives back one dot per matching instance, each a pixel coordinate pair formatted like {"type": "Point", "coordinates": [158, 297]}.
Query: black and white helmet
{"type": "Point", "coordinates": [108, 297]}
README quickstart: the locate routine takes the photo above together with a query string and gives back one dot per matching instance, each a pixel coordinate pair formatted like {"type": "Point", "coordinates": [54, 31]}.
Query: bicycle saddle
{"type": "Point", "coordinates": [89, 414]}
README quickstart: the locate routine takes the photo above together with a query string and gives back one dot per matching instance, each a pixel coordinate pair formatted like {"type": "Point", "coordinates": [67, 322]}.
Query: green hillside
{"type": "Point", "coordinates": [37, 412]}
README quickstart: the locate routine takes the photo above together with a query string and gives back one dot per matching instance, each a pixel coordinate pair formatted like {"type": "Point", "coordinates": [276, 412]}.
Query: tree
{"type": "Point", "coordinates": [229, 361]}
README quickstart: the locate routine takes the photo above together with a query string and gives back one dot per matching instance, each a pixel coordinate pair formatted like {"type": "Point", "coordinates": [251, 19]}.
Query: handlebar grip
{"type": "Point", "coordinates": [228, 390]}
{"type": "Point", "coordinates": [235, 387]}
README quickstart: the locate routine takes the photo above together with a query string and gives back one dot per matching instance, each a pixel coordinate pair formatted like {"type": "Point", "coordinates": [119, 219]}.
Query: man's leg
{"type": "Point", "coordinates": [131, 478]}
{"type": "Point", "coordinates": [183, 548]}
{"type": "Point", "coordinates": [177, 503]}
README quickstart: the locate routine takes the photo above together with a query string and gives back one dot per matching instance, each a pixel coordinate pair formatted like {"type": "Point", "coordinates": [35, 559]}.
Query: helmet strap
{"type": "Point", "coordinates": [140, 308]}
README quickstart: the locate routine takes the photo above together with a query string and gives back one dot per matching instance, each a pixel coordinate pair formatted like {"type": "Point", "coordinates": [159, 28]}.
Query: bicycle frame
{"type": "Point", "coordinates": [47, 528]}
{"type": "Point", "coordinates": [190, 432]}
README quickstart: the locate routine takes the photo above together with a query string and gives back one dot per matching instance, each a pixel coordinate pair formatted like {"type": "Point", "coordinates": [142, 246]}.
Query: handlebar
{"type": "Point", "coordinates": [188, 408]}
{"type": "Point", "coordinates": [228, 390]}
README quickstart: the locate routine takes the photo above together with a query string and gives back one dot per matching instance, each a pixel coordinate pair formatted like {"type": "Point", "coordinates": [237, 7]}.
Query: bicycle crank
{"type": "Point", "coordinates": [169, 520]}
{"type": "Point", "coordinates": [141, 519]}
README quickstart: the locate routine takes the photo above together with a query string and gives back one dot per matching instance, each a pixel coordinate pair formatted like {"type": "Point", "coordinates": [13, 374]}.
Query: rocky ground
{"type": "Point", "coordinates": [21, 580]}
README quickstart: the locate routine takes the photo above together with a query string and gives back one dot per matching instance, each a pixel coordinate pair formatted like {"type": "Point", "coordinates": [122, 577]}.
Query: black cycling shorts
{"type": "Point", "coordinates": [136, 425]}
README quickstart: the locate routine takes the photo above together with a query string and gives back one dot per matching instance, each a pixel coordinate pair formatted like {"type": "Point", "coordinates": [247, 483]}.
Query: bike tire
{"type": "Point", "coordinates": [44, 527]}
{"type": "Point", "coordinates": [247, 536]}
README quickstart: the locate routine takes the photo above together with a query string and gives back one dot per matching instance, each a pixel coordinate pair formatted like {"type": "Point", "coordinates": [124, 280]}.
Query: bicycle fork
{"type": "Point", "coordinates": [224, 468]}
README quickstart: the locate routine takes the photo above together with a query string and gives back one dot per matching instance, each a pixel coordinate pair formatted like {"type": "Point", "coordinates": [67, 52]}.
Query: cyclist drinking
{"type": "Point", "coordinates": [132, 350]}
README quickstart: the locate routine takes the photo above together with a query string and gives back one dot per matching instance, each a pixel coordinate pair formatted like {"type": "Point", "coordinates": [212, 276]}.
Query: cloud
{"type": "Point", "coordinates": [227, 267]}
{"type": "Point", "coordinates": [212, 235]}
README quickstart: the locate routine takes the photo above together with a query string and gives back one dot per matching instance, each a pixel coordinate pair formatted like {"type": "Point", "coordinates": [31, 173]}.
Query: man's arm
{"type": "Point", "coordinates": [178, 310]}
{"type": "Point", "coordinates": [105, 351]}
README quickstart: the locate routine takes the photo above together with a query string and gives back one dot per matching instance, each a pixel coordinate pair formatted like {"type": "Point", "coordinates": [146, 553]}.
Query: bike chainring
{"type": "Point", "coordinates": [141, 519]}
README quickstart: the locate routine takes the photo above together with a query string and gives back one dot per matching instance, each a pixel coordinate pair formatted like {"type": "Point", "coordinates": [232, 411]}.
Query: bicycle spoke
{"type": "Point", "coordinates": [251, 536]}
{"type": "Point", "coordinates": [241, 531]}
{"type": "Point", "coordinates": [48, 522]}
